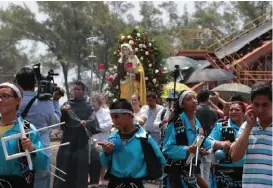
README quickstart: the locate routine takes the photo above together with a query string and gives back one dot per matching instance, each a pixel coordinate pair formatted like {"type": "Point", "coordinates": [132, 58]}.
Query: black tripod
{"type": "Point", "coordinates": [175, 74]}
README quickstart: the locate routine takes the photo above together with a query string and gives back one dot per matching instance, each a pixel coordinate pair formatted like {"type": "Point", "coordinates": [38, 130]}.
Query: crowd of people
{"type": "Point", "coordinates": [129, 145]}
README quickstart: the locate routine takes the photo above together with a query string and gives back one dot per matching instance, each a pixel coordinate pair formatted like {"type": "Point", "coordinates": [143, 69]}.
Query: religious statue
{"type": "Point", "coordinates": [130, 75]}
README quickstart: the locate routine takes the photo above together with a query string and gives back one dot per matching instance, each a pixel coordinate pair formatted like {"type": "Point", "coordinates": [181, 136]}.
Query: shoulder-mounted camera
{"type": "Point", "coordinates": [46, 85]}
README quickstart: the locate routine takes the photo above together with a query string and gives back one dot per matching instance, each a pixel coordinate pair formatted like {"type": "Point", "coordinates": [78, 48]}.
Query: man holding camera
{"type": "Point", "coordinates": [42, 113]}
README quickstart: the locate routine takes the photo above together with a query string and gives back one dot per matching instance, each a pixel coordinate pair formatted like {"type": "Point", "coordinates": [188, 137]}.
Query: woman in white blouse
{"type": "Point", "coordinates": [105, 121]}
{"type": "Point", "coordinates": [139, 114]}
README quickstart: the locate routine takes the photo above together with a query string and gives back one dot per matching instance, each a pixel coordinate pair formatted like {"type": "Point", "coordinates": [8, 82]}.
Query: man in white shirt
{"type": "Point", "coordinates": [152, 110]}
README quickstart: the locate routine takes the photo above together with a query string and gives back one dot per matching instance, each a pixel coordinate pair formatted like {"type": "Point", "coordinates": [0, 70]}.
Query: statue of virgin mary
{"type": "Point", "coordinates": [130, 75]}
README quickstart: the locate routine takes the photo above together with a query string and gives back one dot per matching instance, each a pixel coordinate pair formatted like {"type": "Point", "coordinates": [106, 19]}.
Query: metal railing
{"type": "Point", "coordinates": [236, 34]}
{"type": "Point", "coordinates": [258, 76]}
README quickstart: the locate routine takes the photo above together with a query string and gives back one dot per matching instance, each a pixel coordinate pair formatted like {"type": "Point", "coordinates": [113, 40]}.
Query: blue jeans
{"type": "Point", "coordinates": [42, 179]}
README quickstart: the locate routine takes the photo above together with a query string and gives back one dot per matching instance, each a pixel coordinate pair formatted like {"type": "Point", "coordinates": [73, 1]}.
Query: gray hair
{"type": "Point", "coordinates": [96, 97]}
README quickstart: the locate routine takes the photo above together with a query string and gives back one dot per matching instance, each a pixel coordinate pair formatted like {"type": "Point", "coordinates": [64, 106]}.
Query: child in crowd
{"type": "Point", "coordinates": [123, 155]}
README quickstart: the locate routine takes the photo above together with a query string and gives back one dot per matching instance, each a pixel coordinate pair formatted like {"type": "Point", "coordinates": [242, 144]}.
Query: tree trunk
{"type": "Point", "coordinates": [65, 73]}
{"type": "Point", "coordinates": [79, 72]}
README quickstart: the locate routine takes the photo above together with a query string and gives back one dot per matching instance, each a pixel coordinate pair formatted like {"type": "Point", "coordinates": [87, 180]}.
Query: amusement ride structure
{"type": "Point", "coordinates": [247, 54]}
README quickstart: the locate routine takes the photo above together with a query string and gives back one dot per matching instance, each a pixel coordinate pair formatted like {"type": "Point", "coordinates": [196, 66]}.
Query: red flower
{"type": "Point", "coordinates": [100, 66]}
{"type": "Point", "coordinates": [110, 78]}
{"type": "Point", "coordinates": [146, 36]}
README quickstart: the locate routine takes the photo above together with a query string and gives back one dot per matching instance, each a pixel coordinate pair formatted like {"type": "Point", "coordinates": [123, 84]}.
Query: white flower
{"type": "Point", "coordinates": [115, 52]}
{"type": "Point", "coordinates": [111, 95]}
{"type": "Point", "coordinates": [140, 45]}
{"type": "Point", "coordinates": [115, 67]}
{"type": "Point", "coordinates": [131, 42]}
{"type": "Point", "coordinates": [115, 100]}
{"type": "Point", "coordinates": [110, 69]}
{"type": "Point", "coordinates": [141, 58]}
{"type": "Point", "coordinates": [117, 87]}
{"type": "Point", "coordinates": [154, 80]}
{"type": "Point", "coordinates": [129, 36]}
{"type": "Point", "coordinates": [150, 44]}
{"type": "Point", "coordinates": [122, 37]}
{"type": "Point", "coordinates": [136, 49]}
{"type": "Point", "coordinates": [165, 68]}
{"type": "Point", "coordinates": [150, 65]}
{"type": "Point", "coordinates": [146, 53]}
{"type": "Point", "coordinates": [146, 78]}
{"type": "Point", "coordinates": [156, 71]}
{"type": "Point", "coordinates": [138, 34]}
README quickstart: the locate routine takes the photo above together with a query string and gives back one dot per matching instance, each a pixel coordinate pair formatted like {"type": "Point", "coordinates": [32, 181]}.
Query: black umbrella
{"type": "Point", "coordinates": [209, 75]}
{"type": "Point", "coordinates": [186, 66]}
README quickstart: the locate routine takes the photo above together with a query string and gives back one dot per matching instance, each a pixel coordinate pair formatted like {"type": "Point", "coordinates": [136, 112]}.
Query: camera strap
{"type": "Point", "coordinates": [24, 113]}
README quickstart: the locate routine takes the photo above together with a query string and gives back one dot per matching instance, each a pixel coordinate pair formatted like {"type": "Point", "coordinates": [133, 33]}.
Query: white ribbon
{"type": "Point", "coordinates": [121, 111]}
{"type": "Point", "coordinates": [13, 87]}
{"type": "Point", "coordinates": [182, 96]}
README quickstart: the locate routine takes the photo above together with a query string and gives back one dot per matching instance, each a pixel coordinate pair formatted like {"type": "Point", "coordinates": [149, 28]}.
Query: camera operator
{"type": "Point", "coordinates": [42, 113]}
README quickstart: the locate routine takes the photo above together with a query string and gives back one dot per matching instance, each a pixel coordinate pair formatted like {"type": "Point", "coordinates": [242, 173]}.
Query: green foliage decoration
{"type": "Point", "coordinates": [150, 56]}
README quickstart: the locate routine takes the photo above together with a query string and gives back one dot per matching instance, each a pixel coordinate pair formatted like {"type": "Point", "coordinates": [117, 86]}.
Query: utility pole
{"type": "Point", "coordinates": [92, 58]}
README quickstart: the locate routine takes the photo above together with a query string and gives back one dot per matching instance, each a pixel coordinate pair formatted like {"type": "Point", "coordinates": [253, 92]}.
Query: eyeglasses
{"type": "Point", "coordinates": [6, 97]}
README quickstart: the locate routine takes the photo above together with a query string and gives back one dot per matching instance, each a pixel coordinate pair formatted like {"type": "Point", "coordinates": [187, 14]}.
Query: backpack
{"type": "Point", "coordinates": [154, 169]}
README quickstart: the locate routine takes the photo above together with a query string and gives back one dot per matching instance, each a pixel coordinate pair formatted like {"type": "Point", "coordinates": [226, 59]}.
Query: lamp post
{"type": "Point", "coordinates": [92, 58]}
{"type": "Point", "coordinates": [101, 73]}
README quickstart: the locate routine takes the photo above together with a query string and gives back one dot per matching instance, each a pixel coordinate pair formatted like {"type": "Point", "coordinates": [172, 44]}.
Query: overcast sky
{"type": "Point", "coordinates": [34, 8]}
{"type": "Point", "coordinates": [42, 48]}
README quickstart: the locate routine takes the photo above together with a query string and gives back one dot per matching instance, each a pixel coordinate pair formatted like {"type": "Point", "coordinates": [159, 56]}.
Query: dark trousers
{"type": "Point", "coordinates": [94, 167]}
{"type": "Point", "coordinates": [115, 182]}
{"type": "Point", "coordinates": [14, 181]}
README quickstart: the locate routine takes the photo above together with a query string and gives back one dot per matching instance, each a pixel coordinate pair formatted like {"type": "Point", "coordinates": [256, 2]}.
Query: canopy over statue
{"type": "Point", "coordinates": [130, 75]}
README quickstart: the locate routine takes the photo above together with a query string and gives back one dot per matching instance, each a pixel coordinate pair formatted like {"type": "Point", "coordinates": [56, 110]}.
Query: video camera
{"type": "Point", "coordinates": [46, 85]}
